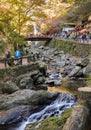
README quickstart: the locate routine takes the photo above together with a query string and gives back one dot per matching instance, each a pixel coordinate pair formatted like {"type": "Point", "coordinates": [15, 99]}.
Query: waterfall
{"type": "Point", "coordinates": [35, 28]}
{"type": "Point", "coordinates": [35, 31]}
{"type": "Point", "coordinates": [62, 102]}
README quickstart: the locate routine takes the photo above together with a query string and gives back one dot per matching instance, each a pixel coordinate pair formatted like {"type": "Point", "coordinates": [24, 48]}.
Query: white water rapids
{"type": "Point", "coordinates": [62, 102]}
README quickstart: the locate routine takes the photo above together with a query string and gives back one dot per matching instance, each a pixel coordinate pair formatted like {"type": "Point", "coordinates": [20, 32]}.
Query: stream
{"type": "Point", "coordinates": [62, 102]}
{"type": "Point", "coordinates": [59, 65]}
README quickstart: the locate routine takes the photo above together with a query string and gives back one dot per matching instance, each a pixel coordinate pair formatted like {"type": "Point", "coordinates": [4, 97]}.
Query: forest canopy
{"type": "Point", "coordinates": [17, 16]}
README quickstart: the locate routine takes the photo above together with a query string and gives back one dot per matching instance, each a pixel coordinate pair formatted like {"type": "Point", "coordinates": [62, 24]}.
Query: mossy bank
{"type": "Point", "coordinates": [13, 72]}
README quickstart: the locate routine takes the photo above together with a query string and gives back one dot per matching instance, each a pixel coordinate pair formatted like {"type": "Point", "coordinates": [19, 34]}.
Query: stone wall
{"type": "Point", "coordinates": [12, 72]}
{"type": "Point", "coordinates": [72, 47]}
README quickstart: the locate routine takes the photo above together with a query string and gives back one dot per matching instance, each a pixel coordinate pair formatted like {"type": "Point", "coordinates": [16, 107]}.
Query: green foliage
{"type": "Point", "coordinates": [88, 81]}
{"type": "Point", "coordinates": [17, 18]}
{"type": "Point", "coordinates": [3, 45]}
{"type": "Point", "coordinates": [78, 10]}
{"type": "Point", "coordinates": [23, 13]}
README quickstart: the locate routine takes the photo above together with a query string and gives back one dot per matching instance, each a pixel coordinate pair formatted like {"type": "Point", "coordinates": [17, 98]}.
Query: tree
{"type": "Point", "coordinates": [17, 17]}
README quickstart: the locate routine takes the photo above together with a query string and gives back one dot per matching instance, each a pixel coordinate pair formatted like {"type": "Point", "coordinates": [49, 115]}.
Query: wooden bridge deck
{"type": "Point", "coordinates": [38, 37]}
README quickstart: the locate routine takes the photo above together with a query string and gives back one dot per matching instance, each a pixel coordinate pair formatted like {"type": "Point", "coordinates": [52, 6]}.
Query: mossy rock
{"type": "Point", "coordinates": [13, 72]}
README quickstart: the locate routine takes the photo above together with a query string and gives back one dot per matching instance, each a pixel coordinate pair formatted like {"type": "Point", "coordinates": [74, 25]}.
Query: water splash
{"type": "Point", "coordinates": [22, 126]}
{"type": "Point", "coordinates": [63, 102]}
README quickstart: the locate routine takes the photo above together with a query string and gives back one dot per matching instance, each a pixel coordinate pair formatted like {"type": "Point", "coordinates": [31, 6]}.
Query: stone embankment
{"type": "Point", "coordinates": [72, 47]}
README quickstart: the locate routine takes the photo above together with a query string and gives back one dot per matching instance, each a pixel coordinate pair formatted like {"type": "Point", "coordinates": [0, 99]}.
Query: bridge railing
{"type": "Point", "coordinates": [39, 36]}
{"type": "Point", "coordinates": [13, 61]}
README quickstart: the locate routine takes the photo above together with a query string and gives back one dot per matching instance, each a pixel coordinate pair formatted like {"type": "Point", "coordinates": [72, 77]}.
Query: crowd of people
{"type": "Point", "coordinates": [73, 35]}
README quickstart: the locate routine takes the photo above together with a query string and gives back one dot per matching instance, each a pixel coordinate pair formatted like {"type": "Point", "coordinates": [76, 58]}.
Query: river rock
{"type": "Point", "coordinates": [30, 80]}
{"type": "Point", "coordinates": [38, 78]}
{"type": "Point", "coordinates": [83, 63]}
{"type": "Point", "coordinates": [20, 104]}
{"type": "Point", "coordinates": [87, 71]}
{"type": "Point", "coordinates": [18, 79]}
{"type": "Point", "coordinates": [14, 115]}
{"type": "Point", "coordinates": [9, 87]}
{"type": "Point", "coordinates": [26, 83]}
{"type": "Point", "coordinates": [74, 71]}
{"type": "Point", "coordinates": [26, 97]}
{"type": "Point", "coordinates": [85, 94]}
{"type": "Point", "coordinates": [78, 69]}
{"type": "Point", "coordinates": [78, 119]}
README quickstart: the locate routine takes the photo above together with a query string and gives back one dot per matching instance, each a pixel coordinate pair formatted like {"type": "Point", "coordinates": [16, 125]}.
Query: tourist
{"type": "Point", "coordinates": [10, 61]}
{"type": "Point", "coordinates": [18, 55]}
{"type": "Point", "coordinates": [84, 38]}
{"type": "Point", "coordinates": [7, 54]}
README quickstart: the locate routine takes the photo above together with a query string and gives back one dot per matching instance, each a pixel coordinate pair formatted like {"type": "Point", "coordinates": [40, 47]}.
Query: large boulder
{"type": "Point", "coordinates": [78, 119]}
{"type": "Point", "coordinates": [74, 71]}
{"type": "Point", "coordinates": [31, 80]}
{"type": "Point", "coordinates": [78, 70]}
{"type": "Point", "coordinates": [8, 87]}
{"type": "Point", "coordinates": [14, 107]}
{"type": "Point", "coordinates": [26, 97]}
{"type": "Point", "coordinates": [25, 79]}
{"type": "Point", "coordinates": [14, 115]}
{"type": "Point", "coordinates": [87, 71]}
{"type": "Point", "coordinates": [85, 95]}
{"type": "Point", "coordinates": [84, 62]}
{"type": "Point", "coordinates": [17, 114]}
{"type": "Point", "coordinates": [26, 83]}
{"type": "Point", "coordinates": [38, 78]}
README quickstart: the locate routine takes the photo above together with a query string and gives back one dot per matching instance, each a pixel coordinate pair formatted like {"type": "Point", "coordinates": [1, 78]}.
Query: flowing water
{"type": "Point", "coordinates": [62, 102]}
{"type": "Point", "coordinates": [35, 32]}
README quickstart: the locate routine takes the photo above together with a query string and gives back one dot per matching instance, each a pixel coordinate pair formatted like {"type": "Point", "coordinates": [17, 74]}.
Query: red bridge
{"type": "Point", "coordinates": [38, 37]}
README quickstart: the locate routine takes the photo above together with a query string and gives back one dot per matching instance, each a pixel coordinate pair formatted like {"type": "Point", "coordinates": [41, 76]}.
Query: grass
{"type": "Point", "coordinates": [88, 82]}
